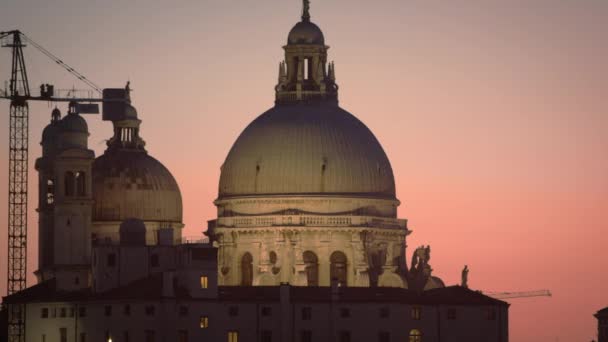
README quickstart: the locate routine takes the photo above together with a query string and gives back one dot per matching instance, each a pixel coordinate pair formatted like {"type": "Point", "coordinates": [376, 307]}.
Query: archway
{"type": "Point", "coordinates": [338, 268]}
{"type": "Point", "coordinates": [312, 268]}
{"type": "Point", "coordinates": [247, 270]}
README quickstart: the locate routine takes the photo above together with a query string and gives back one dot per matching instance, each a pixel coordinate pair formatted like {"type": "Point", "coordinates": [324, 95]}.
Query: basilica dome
{"type": "Point", "coordinates": [306, 32]}
{"type": "Point", "coordinates": [307, 149]}
{"type": "Point", "coordinates": [129, 183]}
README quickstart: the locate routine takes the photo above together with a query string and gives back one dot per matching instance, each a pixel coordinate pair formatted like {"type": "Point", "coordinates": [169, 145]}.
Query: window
{"type": "Point", "coordinates": [53, 312]}
{"type": "Point", "coordinates": [81, 184]}
{"type": "Point", "coordinates": [233, 336]}
{"type": "Point", "coordinates": [69, 183]}
{"type": "Point", "coordinates": [108, 310]}
{"type": "Point", "coordinates": [306, 68]}
{"type": "Point", "coordinates": [43, 338]}
{"type": "Point", "coordinates": [125, 336]}
{"type": "Point", "coordinates": [384, 336]}
{"type": "Point", "coordinates": [305, 336]}
{"type": "Point", "coordinates": [83, 337]}
{"type": "Point", "coordinates": [182, 336]}
{"type": "Point", "coordinates": [71, 312]}
{"type": "Point", "coordinates": [127, 310]}
{"type": "Point", "coordinates": [416, 313]}
{"type": "Point", "coordinates": [183, 311]}
{"type": "Point", "coordinates": [204, 322]}
{"type": "Point", "coordinates": [451, 313]}
{"type": "Point", "coordinates": [63, 335]}
{"type": "Point", "coordinates": [233, 311]}
{"type": "Point", "coordinates": [204, 282]}
{"type": "Point", "coordinates": [63, 312]}
{"type": "Point", "coordinates": [154, 260]}
{"type": "Point", "coordinates": [337, 271]}
{"type": "Point", "coordinates": [415, 336]}
{"type": "Point", "coordinates": [266, 336]}
{"type": "Point", "coordinates": [82, 312]}
{"type": "Point", "coordinates": [247, 270]}
{"type": "Point", "coordinates": [150, 310]}
{"type": "Point", "coordinates": [491, 314]}
{"type": "Point", "coordinates": [344, 312]}
{"type": "Point", "coordinates": [266, 311]}
{"type": "Point", "coordinates": [150, 335]}
{"type": "Point", "coordinates": [312, 268]}
{"type": "Point", "coordinates": [50, 191]}
{"type": "Point", "coordinates": [111, 260]}
{"type": "Point", "coordinates": [44, 313]}
{"type": "Point", "coordinates": [306, 313]}
{"type": "Point", "coordinates": [344, 336]}
{"type": "Point", "coordinates": [384, 312]}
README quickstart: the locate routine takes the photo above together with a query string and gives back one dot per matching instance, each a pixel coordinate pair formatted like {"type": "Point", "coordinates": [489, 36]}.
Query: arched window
{"type": "Point", "coordinates": [69, 183]}
{"type": "Point", "coordinates": [247, 270]}
{"type": "Point", "coordinates": [312, 268]}
{"type": "Point", "coordinates": [81, 184]}
{"type": "Point", "coordinates": [338, 267]}
{"type": "Point", "coordinates": [415, 335]}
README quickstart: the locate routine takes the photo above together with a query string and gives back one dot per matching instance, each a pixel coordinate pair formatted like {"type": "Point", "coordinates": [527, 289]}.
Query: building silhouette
{"type": "Point", "coordinates": [306, 246]}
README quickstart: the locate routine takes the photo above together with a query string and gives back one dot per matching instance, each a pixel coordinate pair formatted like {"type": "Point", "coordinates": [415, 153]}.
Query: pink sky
{"type": "Point", "coordinates": [493, 114]}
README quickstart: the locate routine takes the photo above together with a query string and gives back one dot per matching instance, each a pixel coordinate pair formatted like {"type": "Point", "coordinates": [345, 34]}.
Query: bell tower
{"type": "Point", "coordinates": [65, 201]}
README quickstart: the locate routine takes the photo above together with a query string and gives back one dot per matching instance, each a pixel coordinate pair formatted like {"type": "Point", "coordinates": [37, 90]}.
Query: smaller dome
{"type": "Point", "coordinates": [49, 134]}
{"type": "Point", "coordinates": [130, 112]}
{"type": "Point", "coordinates": [74, 123]}
{"type": "Point", "coordinates": [132, 232]}
{"type": "Point", "coordinates": [306, 32]}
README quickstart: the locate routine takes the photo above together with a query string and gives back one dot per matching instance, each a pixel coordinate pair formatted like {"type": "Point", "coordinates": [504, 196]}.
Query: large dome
{"type": "Point", "coordinates": [131, 184]}
{"type": "Point", "coordinates": [306, 33]}
{"type": "Point", "coordinates": [307, 149]}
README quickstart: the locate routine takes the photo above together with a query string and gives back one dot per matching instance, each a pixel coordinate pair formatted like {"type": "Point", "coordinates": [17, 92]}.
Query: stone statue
{"type": "Point", "coordinates": [306, 10]}
{"type": "Point", "coordinates": [465, 277]}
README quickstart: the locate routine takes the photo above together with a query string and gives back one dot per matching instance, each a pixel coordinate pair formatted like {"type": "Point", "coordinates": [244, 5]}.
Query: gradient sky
{"type": "Point", "coordinates": [494, 115]}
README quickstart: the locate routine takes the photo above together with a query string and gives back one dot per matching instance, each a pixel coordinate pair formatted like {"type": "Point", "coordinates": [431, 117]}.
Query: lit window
{"type": "Point", "coordinates": [204, 322]}
{"type": "Point", "coordinates": [416, 313]}
{"type": "Point", "coordinates": [204, 282]}
{"type": "Point", "coordinates": [233, 336]}
{"type": "Point", "coordinates": [415, 336]}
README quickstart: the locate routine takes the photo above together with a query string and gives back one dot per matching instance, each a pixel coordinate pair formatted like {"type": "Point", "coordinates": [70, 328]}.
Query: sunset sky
{"type": "Point", "coordinates": [494, 115]}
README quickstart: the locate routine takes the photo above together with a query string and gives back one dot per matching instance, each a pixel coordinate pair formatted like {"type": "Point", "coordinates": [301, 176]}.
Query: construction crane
{"type": "Point", "coordinates": [522, 294]}
{"type": "Point", "coordinates": [18, 93]}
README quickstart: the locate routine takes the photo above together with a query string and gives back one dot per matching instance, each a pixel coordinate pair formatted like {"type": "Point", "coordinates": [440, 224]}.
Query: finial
{"type": "Point", "coordinates": [306, 10]}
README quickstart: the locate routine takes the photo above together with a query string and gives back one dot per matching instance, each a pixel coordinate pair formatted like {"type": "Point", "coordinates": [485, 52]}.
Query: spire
{"type": "Point", "coordinates": [306, 10]}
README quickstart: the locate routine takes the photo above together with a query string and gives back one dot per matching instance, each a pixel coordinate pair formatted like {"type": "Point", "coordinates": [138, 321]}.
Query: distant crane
{"type": "Point", "coordinates": [18, 93]}
{"type": "Point", "coordinates": [522, 294]}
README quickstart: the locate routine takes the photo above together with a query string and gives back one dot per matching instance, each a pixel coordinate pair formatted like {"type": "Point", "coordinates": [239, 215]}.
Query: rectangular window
{"type": "Point", "coordinates": [108, 310]}
{"type": "Point", "coordinates": [82, 311]}
{"type": "Point", "coordinates": [451, 313]}
{"type": "Point", "coordinates": [306, 67]}
{"type": "Point", "coordinates": [233, 336]}
{"type": "Point", "coordinates": [344, 312]}
{"type": "Point", "coordinates": [344, 336]}
{"type": "Point", "coordinates": [150, 336]}
{"type": "Point", "coordinates": [111, 260]}
{"type": "Point", "coordinates": [384, 312]}
{"type": "Point", "coordinates": [63, 312]}
{"type": "Point", "coordinates": [233, 311]}
{"type": "Point", "coordinates": [416, 313]}
{"type": "Point", "coordinates": [266, 311]}
{"type": "Point", "coordinates": [63, 335]}
{"type": "Point", "coordinates": [53, 312]}
{"type": "Point", "coordinates": [266, 336]}
{"type": "Point", "coordinates": [150, 310]}
{"type": "Point", "coordinates": [204, 322]}
{"type": "Point", "coordinates": [204, 282]}
{"type": "Point", "coordinates": [384, 336]}
{"type": "Point", "coordinates": [44, 313]}
{"type": "Point", "coordinates": [43, 338]}
{"type": "Point", "coordinates": [182, 336]}
{"type": "Point", "coordinates": [154, 262]}
{"type": "Point", "coordinates": [305, 336]}
{"type": "Point", "coordinates": [306, 313]}
{"type": "Point", "coordinates": [491, 314]}
{"type": "Point", "coordinates": [83, 337]}
{"type": "Point", "coordinates": [71, 312]}
{"type": "Point", "coordinates": [183, 311]}
{"type": "Point", "coordinates": [127, 310]}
